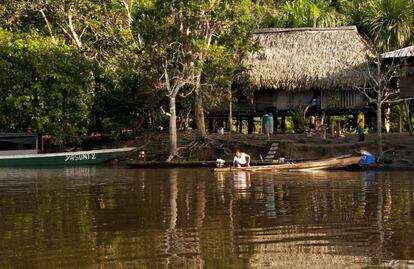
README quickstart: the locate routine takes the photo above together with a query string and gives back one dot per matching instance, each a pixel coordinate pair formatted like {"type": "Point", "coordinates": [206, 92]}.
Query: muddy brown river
{"type": "Point", "coordinates": [105, 217]}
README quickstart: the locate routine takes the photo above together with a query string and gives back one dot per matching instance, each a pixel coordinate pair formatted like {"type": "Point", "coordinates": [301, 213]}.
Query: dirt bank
{"type": "Point", "coordinates": [398, 147]}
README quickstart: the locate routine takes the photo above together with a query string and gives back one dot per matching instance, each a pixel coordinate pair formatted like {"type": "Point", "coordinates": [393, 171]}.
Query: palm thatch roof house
{"type": "Point", "coordinates": [296, 65]}
{"type": "Point", "coordinates": [403, 58]}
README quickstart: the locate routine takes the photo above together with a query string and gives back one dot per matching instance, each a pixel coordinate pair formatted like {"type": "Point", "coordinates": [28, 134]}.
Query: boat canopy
{"type": "Point", "coordinates": [19, 138]}
{"type": "Point", "coordinates": [18, 143]}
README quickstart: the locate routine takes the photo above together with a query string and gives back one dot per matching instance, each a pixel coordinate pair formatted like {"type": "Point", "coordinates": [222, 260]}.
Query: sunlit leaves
{"type": "Point", "coordinates": [309, 13]}
{"type": "Point", "coordinates": [46, 87]}
{"type": "Point", "coordinates": [390, 22]}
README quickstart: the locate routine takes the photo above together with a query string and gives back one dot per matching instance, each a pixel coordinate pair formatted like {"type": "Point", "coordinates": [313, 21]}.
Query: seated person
{"type": "Point", "coordinates": [241, 159]}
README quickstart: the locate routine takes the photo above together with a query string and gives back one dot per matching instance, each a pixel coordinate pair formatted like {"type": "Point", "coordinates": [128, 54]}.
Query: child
{"type": "Point", "coordinates": [241, 159]}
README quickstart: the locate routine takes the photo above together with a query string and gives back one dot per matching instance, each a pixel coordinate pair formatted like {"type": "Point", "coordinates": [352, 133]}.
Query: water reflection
{"type": "Point", "coordinates": [241, 184]}
{"type": "Point", "coordinates": [97, 217]}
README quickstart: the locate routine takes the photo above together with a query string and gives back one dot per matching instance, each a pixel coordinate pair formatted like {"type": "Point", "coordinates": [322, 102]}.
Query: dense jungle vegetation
{"type": "Point", "coordinates": [69, 68]}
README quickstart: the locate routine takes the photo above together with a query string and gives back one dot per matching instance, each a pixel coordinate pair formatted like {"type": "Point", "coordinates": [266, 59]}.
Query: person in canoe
{"type": "Point", "coordinates": [241, 159]}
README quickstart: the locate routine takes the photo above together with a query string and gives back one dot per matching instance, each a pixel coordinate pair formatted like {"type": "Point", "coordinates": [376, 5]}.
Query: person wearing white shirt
{"type": "Point", "coordinates": [241, 159]}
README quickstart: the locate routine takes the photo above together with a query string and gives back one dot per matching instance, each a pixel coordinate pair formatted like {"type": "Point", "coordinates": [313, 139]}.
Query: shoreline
{"type": "Point", "coordinates": [398, 148]}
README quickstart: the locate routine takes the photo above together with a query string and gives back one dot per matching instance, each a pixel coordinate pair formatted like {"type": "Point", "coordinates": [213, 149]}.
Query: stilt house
{"type": "Point", "coordinates": [295, 66]}
{"type": "Point", "coordinates": [404, 58]}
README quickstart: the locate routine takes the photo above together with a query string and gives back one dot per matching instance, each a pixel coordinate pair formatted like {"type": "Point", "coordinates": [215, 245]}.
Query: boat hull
{"type": "Point", "coordinates": [63, 159]}
{"type": "Point", "coordinates": [334, 163]}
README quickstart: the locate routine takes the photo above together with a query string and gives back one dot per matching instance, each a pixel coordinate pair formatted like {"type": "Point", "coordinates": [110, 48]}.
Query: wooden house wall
{"type": "Point", "coordinates": [282, 100]}
{"type": "Point", "coordinates": [267, 100]}
{"type": "Point", "coordinates": [336, 100]}
{"type": "Point", "coordinates": [407, 87]}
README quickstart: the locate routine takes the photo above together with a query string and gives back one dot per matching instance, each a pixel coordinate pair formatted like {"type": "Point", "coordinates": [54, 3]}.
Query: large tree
{"type": "Point", "coordinates": [207, 36]}
{"type": "Point", "coordinates": [203, 26]}
{"type": "Point", "coordinates": [45, 86]}
{"type": "Point", "coordinates": [101, 31]}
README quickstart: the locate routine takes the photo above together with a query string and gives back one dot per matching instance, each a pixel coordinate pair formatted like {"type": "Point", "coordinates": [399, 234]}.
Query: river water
{"type": "Point", "coordinates": [104, 217]}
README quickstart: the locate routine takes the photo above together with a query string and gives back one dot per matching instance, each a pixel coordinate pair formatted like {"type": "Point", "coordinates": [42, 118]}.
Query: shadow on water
{"type": "Point", "coordinates": [102, 217]}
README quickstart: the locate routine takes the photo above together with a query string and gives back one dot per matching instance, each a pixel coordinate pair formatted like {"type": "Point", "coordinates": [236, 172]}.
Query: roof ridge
{"type": "Point", "coordinates": [303, 29]}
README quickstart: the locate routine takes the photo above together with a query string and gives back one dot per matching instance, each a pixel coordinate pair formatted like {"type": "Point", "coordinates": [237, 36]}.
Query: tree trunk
{"type": "Point", "coordinates": [379, 125]}
{"type": "Point", "coordinates": [387, 122]}
{"type": "Point", "coordinates": [198, 108]}
{"type": "Point", "coordinates": [401, 118]}
{"type": "Point", "coordinates": [199, 115]}
{"type": "Point", "coordinates": [230, 112]}
{"type": "Point", "coordinates": [187, 120]}
{"type": "Point", "coordinates": [173, 128]}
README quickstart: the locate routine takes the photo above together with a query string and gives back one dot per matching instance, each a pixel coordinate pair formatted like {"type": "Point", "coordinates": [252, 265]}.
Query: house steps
{"type": "Point", "coordinates": [272, 152]}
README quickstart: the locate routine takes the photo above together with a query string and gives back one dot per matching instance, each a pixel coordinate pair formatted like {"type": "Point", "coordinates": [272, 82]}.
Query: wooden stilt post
{"type": "Point", "coordinates": [211, 125]}
{"type": "Point", "coordinates": [275, 124]}
{"type": "Point", "coordinates": [241, 124]}
{"type": "Point", "coordinates": [283, 127]}
{"type": "Point", "coordinates": [410, 127]}
{"type": "Point", "coordinates": [250, 124]}
{"type": "Point", "coordinates": [332, 128]}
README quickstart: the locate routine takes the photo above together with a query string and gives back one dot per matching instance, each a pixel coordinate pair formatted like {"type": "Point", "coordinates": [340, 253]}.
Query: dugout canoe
{"type": "Point", "coordinates": [325, 164]}
{"type": "Point", "coordinates": [179, 164]}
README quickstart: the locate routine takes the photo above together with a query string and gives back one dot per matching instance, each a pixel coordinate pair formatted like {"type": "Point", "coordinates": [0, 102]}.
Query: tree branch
{"type": "Point", "coordinates": [72, 30]}
{"type": "Point", "coordinates": [165, 112]}
{"type": "Point", "coordinates": [47, 24]}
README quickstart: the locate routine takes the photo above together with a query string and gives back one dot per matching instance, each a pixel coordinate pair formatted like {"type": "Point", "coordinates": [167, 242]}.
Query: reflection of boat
{"type": "Point", "coordinates": [333, 163]}
{"type": "Point", "coordinates": [22, 150]}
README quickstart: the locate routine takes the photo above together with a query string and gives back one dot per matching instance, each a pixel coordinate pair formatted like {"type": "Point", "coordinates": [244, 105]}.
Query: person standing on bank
{"type": "Point", "coordinates": [312, 121]}
{"type": "Point", "coordinates": [361, 126]}
{"type": "Point", "coordinates": [241, 159]}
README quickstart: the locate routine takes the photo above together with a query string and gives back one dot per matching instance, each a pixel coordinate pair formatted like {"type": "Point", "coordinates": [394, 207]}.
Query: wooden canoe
{"type": "Point", "coordinates": [175, 164]}
{"type": "Point", "coordinates": [334, 163]}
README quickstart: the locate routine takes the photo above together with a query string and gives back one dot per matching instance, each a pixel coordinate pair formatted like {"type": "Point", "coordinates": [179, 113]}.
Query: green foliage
{"type": "Point", "coordinates": [298, 120]}
{"type": "Point", "coordinates": [50, 84]}
{"type": "Point", "coordinates": [388, 23]}
{"type": "Point", "coordinates": [309, 13]}
{"type": "Point", "coordinates": [213, 37]}
{"type": "Point", "coordinates": [124, 98]}
{"type": "Point", "coordinates": [45, 87]}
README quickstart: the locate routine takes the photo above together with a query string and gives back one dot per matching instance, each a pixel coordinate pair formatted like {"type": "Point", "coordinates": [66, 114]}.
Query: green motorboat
{"type": "Point", "coordinates": [21, 150]}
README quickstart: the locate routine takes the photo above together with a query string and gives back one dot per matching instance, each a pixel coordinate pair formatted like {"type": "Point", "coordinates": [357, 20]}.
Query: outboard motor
{"type": "Point", "coordinates": [142, 156]}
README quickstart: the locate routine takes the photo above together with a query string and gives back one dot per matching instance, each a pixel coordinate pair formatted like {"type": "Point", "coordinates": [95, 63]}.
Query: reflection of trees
{"type": "Point", "coordinates": [39, 218]}
{"type": "Point", "coordinates": [181, 219]}
{"type": "Point", "coordinates": [395, 217]}
{"type": "Point", "coordinates": [328, 216]}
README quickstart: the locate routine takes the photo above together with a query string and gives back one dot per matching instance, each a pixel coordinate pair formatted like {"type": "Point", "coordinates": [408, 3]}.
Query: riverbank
{"type": "Point", "coordinates": [397, 147]}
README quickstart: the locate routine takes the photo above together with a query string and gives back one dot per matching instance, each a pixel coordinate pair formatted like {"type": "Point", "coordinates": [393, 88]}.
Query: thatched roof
{"type": "Point", "coordinates": [307, 58]}
{"type": "Point", "coordinates": [401, 53]}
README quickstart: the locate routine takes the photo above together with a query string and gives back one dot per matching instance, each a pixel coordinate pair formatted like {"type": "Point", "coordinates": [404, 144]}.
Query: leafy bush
{"type": "Point", "coordinates": [46, 87]}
